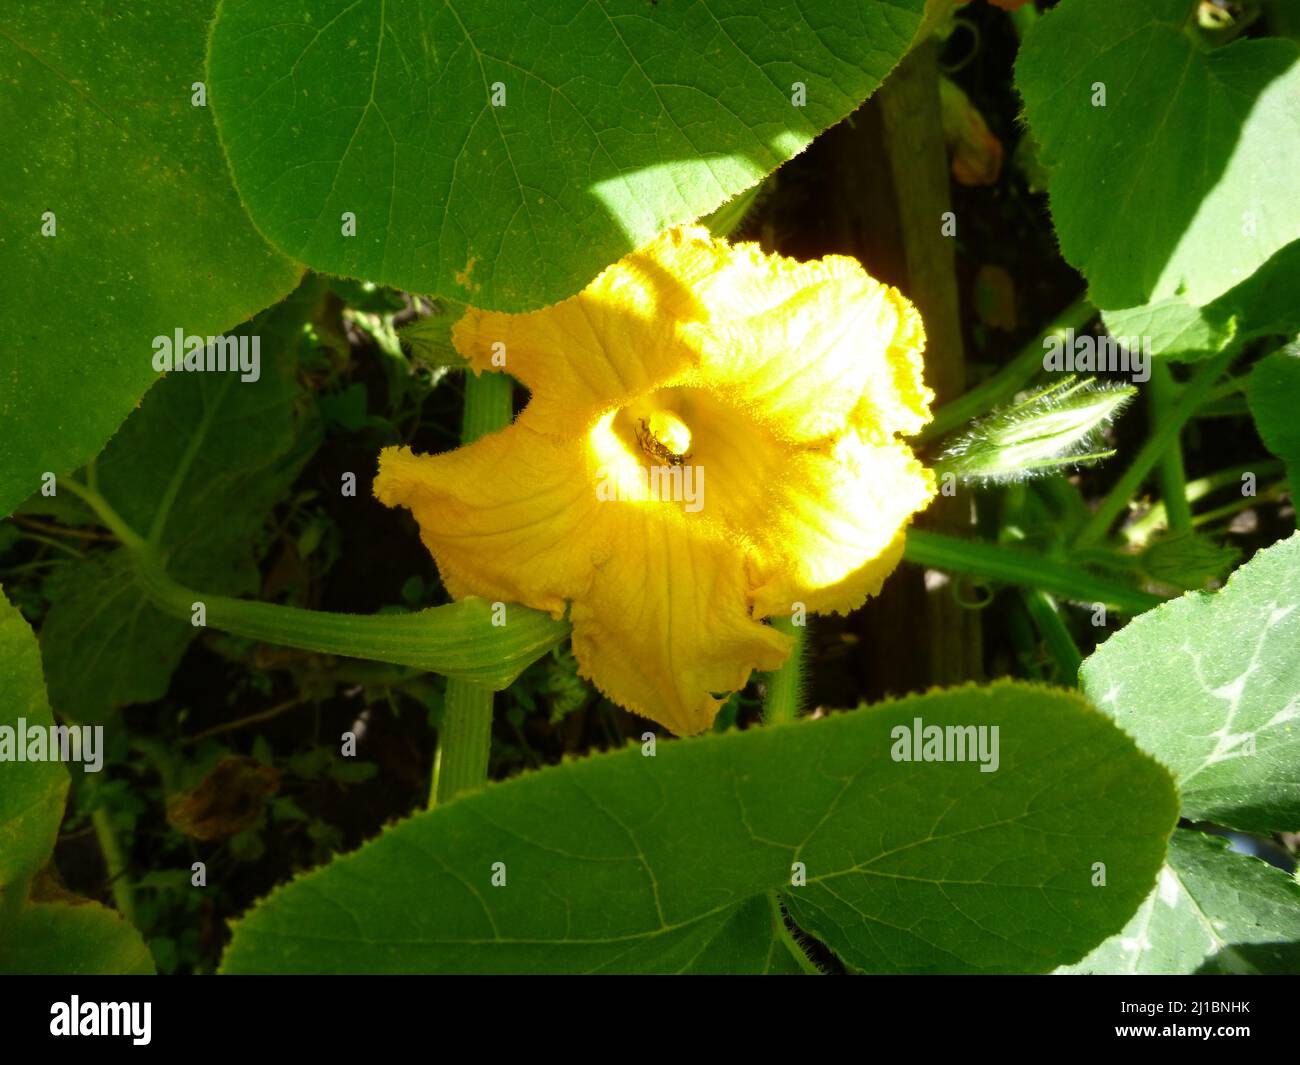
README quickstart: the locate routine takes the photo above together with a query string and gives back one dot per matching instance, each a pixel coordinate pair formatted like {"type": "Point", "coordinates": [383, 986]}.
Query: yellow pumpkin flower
{"type": "Point", "coordinates": [712, 439]}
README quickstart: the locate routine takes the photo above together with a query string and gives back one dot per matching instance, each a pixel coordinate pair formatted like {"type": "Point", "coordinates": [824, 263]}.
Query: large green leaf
{"type": "Point", "coordinates": [622, 862]}
{"type": "Point", "coordinates": [1210, 684]}
{"type": "Point", "coordinates": [1274, 394]}
{"type": "Point", "coordinates": [72, 939]}
{"type": "Point", "coordinates": [619, 118]}
{"type": "Point", "coordinates": [1182, 184]}
{"type": "Point", "coordinates": [197, 466]}
{"type": "Point", "coordinates": [74, 936]}
{"type": "Point", "coordinates": [31, 793]}
{"type": "Point", "coordinates": [1211, 911]}
{"type": "Point", "coordinates": [1177, 329]}
{"type": "Point", "coordinates": [1261, 305]}
{"type": "Point", "coordinates": [95, 103]}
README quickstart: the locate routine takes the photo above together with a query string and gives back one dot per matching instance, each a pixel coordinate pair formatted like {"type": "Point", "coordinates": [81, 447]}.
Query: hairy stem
{"type": "Point", "coordinates": [784, 698]}
{"type": "Point", "coordinates": [974, 558]}
{"type": "Point", "coordinates": [464, 742]}
{"type": "Point", "coordinates": [457, 640]}
{"type": "Point", "coordinates": [115, 863]}
{"type": "Point", "coordinates": [1173, 478]}
{"type": "Point", "coordinates": [1056, 635]}
{"type": "Point", "coordinates": [465, 738]}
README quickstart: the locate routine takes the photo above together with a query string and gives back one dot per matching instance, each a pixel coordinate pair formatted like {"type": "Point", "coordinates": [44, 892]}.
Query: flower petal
{"type": "Point", "coordinates": [660, 606]}
{"type": "Point", "coordinates": [836, 526]}
{"type": "Point", "coordinates": [613, 341]}
{"type": "Point", "coordinates": [785, 382]}
{"type": "Point", "coordinates": [502, 517]}
{"type": "Point", "coordinates": [813, 347]}
{"type": "Point", "coordinates": [666, 622]}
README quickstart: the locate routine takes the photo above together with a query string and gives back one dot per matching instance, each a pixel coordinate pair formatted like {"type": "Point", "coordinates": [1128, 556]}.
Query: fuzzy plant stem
{"type": "Point", "coordinates": [784, 697]}
{"type": "Point", "coordinates": [1027, 569]}
{"type": "Point", "coordinates": [465, 738]}
{"type": "Point", "coordinates": [1055, 633]}
{"type": "Point", "coordinates": [115, 864]}
{"type": "Point", "coordinates": [1171, 474]}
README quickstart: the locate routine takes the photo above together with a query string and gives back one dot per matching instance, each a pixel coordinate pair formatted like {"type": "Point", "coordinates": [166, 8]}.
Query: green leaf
{"type": "Point", "coordinates": [73, 939]}
{"type": "Point", "coordinates": [627, 863]}
{"type": "Point", "coordinates": [1261, 305]}
{"type": "Point", "coordinates": [1182, 184]}
{"type": "Point", "coordinates": [1210, 685]}
{"type": "Point", "coordinates": [196, 468]}
{"type": "Point", "coordinates": [1274, 394]}
{"type": "Point", "coordinates": [32, 794]}
{"type": "Point", "coordinates": [1186, 560]}
{"type": "Point", "coordinates": [44, 937]}
{"type": "Point", "coordinates": [1211, 911]}
{"type": "Point", "coordinates": [619, 119]}
{"type": "Point", "coordinates": [149, 234]}
{"type": "Point", "coordinates": [750, 942]}
{"type": "Point", "coordinates": [1176, 328]}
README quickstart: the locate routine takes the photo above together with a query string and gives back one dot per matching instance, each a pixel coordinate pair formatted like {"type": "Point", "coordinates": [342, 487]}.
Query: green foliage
{"type": "Point", "coordinates": [1211, 911]}
{"type": "Point", "coordinates": [1260, 306]}
{"type": "Point", "coordinates": [628, 863]}
{"type": "Point", "coordinates": [1179, 185]}
{"type": "Point", "coordinates": [72, 939]}
{"type": "Point", "coordinates": [149, 234]}
{"type": "Point", "coordinates": [755, 849]}
{"type": "Point", "coordinates": [31, 801]}
{"type": "Point", "coordinates": [76, 936]}
{"type": "Point", "coordinates": [610, 122]}
{"type": "Point", "coordinates": [195, 469]}
{"type": "Point", "coordinates": [1210, 685]}
{"type": "Point", "coordinates": [1274, 394]}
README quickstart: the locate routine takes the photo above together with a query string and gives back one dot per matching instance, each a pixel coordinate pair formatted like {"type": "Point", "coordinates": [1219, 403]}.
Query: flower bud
{"type": "Point", "coordinates": [1041, 432]}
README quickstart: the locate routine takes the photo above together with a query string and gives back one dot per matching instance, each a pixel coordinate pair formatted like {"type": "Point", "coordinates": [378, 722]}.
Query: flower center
{"type": "Point", "coordinates": [664, 436]}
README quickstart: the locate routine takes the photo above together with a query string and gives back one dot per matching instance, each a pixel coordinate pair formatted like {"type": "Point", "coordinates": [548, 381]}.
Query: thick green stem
{"type": "Point", "coordinates": [115, 863]}
{"type": "Point", "coordinates": [1161, 435]}
{"type": "Point", "coordinates": [976, 559]}
{"type": "Point", "coordinates": [465, 738]}
{"type": "Point", "coordinates": [464, 741]}
{"type": "Point", "coordinates": [458, 640]}
{"type": "Point", "coordinates": [1173, 478]}
{"type": "Point", "coordinates": [784, 697]}
{"type": "Point", "coordinates": [1023, 639]}
{"type": "Point", "coordinates": [489, 405]}
{"type": "Point", "coordinates": [1056, 635]}
{"type": "Point", "coordinates": [1003, 385]}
